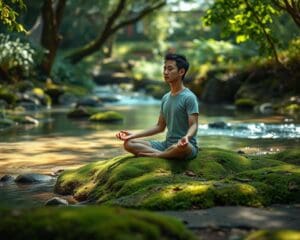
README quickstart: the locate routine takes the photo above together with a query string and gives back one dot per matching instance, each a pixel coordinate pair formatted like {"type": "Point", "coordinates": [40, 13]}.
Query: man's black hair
{"type": "Point", "coordinates": [181, 61]}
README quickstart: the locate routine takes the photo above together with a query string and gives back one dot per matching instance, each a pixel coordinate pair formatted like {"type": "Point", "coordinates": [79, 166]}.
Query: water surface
{"type": "Point", "coordinates": [62, 143]}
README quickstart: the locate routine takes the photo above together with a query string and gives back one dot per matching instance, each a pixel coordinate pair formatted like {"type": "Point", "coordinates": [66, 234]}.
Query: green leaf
{"type": "Point", "coordinates": [241, 38]}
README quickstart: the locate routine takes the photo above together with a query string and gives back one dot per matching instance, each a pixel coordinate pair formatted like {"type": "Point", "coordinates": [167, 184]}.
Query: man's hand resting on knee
{"type": "Point", "coordinates": [183, 142]}
{"type": "Point", "coordinates": [124, 135]}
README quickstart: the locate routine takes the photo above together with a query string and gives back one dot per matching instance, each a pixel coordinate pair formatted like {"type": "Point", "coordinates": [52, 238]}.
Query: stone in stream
{"type": "Point", "coordinates": [56, 201]}
{"type": "Point", "coordinates": [265, 108]}
{"type": "Point", "coordinates": [57, 172]}
{"type": "Point", "coordinates": [6, 178]}
{"type": "Point", "coordinates": [32, 178]}
{"type": "Point", "coordinates": [219, 125]}
{"type": "Point", "coordinates": [92, 101]}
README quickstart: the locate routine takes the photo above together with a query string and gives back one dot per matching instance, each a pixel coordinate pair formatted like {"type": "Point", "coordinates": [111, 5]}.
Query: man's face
{"type": "Point", "coordinates": [171, 72]}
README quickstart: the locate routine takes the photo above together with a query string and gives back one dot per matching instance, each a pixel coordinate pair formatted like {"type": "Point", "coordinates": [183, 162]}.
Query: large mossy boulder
{"type": "Point", "coordinates": [88, 223]}
{"type": "Point", "coordinates": [215, 177]}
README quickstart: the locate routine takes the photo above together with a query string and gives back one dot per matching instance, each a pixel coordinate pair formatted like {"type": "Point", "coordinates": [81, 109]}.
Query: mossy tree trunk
{"type": "Point", "coordinates": [110, 28]}
{"type": "Point", "coordinates": [51, 16]}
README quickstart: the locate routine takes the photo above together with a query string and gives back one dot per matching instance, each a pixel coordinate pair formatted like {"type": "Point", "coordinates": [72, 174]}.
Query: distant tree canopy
{"type": "Point", "coordinates": [252, 19]}
{"type": "Point", "coordinates": [8, 14]}
{"type": "Point", "coordinates": [96, 20]}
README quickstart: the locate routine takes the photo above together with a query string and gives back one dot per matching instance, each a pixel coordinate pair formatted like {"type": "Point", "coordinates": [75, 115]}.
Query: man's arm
{"type": "Point", "coordinates": [193, 123]}
{"type": "Point", "coordinates": [193, 127]}
{"type": "Point", "coordinates": [159, 127]}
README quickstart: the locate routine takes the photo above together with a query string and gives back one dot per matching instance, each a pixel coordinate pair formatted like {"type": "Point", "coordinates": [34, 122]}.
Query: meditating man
{"type": "Point", "coordinates": [178, 112]}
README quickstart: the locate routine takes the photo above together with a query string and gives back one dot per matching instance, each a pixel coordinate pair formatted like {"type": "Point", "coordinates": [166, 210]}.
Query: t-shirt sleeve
{"type": "Point", "coordinates": [192, 105]}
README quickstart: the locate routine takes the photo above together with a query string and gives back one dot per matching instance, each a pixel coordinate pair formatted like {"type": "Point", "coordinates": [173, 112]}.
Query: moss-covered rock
{"type": "Point", "coordinates": [82, 112]}
{"type": "Point", "coordinates": [88, 223]}
{"type": "Point", "coordinates": [215, 177]}
{"type": "Point", "coordinates": [54, 91]}
{"type": "Point", "coordinates": [108, 116]}
{"type": "Point", "coordinates": [8, 96]}
{"type": "Point", "coordinates": [274, 235]}
{"type": "Point", "coordinates": [42, 96]}
{"type": "Point", "coordinates": [292, 108]}
{"type": "Point", "coordinates": [245, 103]}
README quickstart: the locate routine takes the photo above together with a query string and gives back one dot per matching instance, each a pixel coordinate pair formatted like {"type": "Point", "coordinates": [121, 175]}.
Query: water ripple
{"type": "Point", "coordinates": [251, 130]}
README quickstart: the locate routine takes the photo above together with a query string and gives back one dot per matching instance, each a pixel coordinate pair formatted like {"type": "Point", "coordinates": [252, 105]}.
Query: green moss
{"type": "Point", "coordinates": [214, 163]}
{"type": "Point", "coordinates": [76, 90]}
{"type": "Point", "coordinates": [89, 223]}
{"type": "Point", "coordinates": [8, 96]}
{"type": "Point", "coordinates": [215, 177]}
{"type": "Point", "coordinates": [39, 92]}
{"type": "Point", "coordinates": [245, 103]}
{"type": "Point", "coordinates": [274, 235]}
{"type": "Point", "coordinates": [292, 108]}
{"type": "Point", "coordinates": [290, 156]}
{"type": "Point", "coordinates": [282, 183]}
{"type": "Point", "coordinates": [109, 116]}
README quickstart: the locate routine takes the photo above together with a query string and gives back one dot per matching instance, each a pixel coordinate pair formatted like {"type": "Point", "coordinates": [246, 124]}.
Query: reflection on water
{"type": "Point", "coordinates": [58, 142]}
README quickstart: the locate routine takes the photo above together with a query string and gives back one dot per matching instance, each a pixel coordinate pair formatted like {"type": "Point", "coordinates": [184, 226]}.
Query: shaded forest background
{"type": "Point", "coordinates": [245, 52]}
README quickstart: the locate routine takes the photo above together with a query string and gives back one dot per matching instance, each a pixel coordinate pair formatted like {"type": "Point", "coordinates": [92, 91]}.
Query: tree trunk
{"type": "Point", "coordinates": [50, 37]}
{"type": "Point", "coordinates": [109, 46]}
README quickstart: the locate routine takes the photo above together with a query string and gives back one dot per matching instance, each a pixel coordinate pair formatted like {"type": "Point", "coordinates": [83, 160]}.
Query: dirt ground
{"type": "Point", "coordinates": [236, 222]}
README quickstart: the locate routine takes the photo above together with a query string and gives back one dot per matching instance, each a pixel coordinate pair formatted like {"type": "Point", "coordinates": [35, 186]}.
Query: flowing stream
{"type": "Point", "coordinates": [61, 143]}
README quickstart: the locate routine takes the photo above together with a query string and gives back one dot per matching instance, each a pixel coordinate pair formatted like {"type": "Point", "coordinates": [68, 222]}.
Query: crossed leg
{"type": "Point", "coordinates": [137, 146]}
{"type": "Point", "coordinates": [143, 148]}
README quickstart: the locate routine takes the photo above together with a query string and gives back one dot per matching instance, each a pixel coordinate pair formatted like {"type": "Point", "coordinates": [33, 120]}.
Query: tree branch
{"type": "Point", "coordinates": [293, 9]}
{"type": "Point", "coordinates": [142, 14]}
{"type": "Point", "coordinates": [268, 37]}
{"type": "Point", "coordinates": [96, 44]}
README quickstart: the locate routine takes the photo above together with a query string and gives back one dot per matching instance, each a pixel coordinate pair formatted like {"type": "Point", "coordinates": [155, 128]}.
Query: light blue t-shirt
{"type": "Point", "coordinates": [176, 110]}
